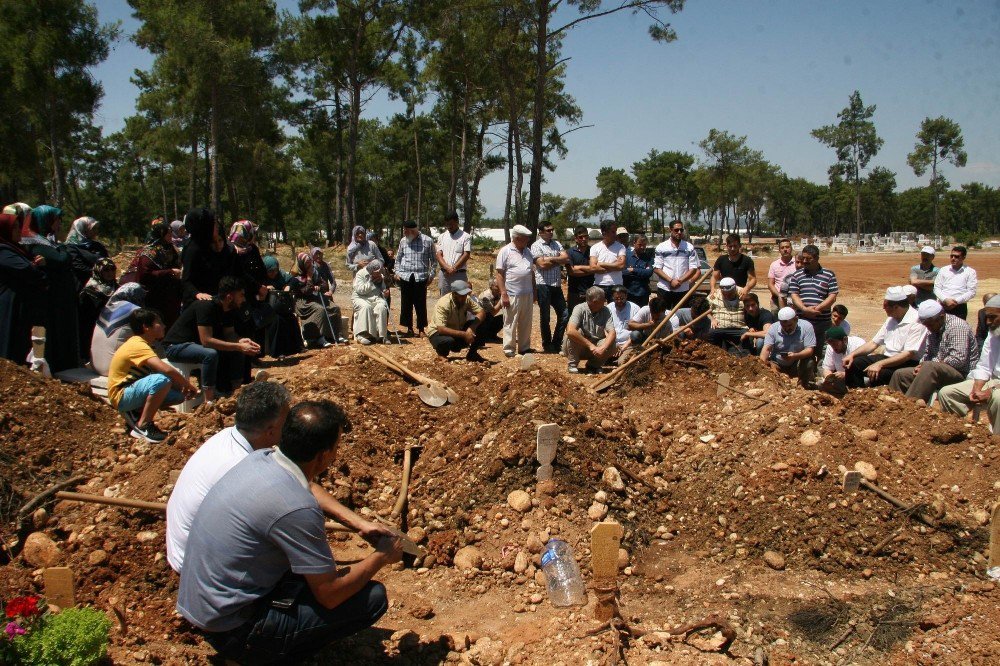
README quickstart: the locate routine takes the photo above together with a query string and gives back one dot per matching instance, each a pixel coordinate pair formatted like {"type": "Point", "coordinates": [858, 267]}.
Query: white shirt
{"type": "Point", "coordinates": [675, 261]}
{"type": "Point", "coordinates": [959, 285]}
{"type": "Point", "coordinates": [607, 255]}
{"type": "Point", "coordinates": [906, 334]}
{"type": "Point", "coordinates": [550, 276]}
{"type": "Point", "coordinates": [834, 362]}
{"type": "Point", "coordinates": [621, 318]}
{"type": "Point", "coordinates": [208, 464]}
{"type": "Point", "coordinates": [517, 268]}
{"type": "Point", "coordinates": [453, 246]}
{"type": "Point", "coordinates": [989, 360]}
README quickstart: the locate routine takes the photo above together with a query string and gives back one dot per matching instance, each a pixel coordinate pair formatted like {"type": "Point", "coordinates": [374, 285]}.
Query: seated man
{"type": "Point", "coordinates": [757, 321]}
{"type": "Point", "coordinates": [371, 305]}
{"type": "Point", "coordinates": [788, 347]}
{"type": "Point", "coordinates": [451, 329]}
{"type": "Point", "coordinates": [684, 316]}
{"type": "Point", "coordinates": [489, 301]}
{"type": "Point", "coordinates": [590, 333]}
{"type": "Point", "coordinates": [205, 331]}
{"type": "Point", "coordinates": [648, 318]}
{"type": "Point", "coordinates": [950, 354]}
{"type": "Point", "coordinates": [259, 579]}
{"type": "Point", "coordinates": [726, 315]}
{"type": "Point", "coordinates": [261, 410]}
{"type": "Point", "coordinates": [903, 337]}
{"type": "Point", "coordinates": [838, 317]}
{"type": "Point", "coordinates": [139, 383]}
{"type": "Point", "coordinates": [622, 312]}
{"type": "Point", "coordinates": [838, 344]}
{"type": "Point", "coordinates": [981, 386]}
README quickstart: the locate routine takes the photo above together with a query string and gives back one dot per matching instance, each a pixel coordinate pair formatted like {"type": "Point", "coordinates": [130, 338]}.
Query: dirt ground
{"type": "Point", "coordinates": [731, 507]}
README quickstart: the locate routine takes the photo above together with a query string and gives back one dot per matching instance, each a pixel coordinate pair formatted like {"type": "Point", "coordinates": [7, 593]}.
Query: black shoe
{"type": "Point", "coordinates": [475, 357]}
{"type": "Point", "coordinates": [132, 418]}
{"type": "Point", "coordinates": [149, 432]}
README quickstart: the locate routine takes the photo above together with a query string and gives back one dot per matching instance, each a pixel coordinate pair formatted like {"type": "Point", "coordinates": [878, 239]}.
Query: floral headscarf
{"type": "Point", "coordinates": [242, 231]}
{"type": "Point", "coordinates": [80, 233]}
{"type": "Point", "coordinates": [8, 224]}
{"type": "Point", "coordinates": [123, 301]}
{"type": "Point", "coordinates": [97, 282]}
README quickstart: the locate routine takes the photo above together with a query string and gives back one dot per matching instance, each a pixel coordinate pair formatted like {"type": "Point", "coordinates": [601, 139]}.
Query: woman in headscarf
{"type": "Point", "coordinates": [318, 327]}
{"type": "Point", "coordinates": [93, 298]}
{"type": "Point", "coordinates": [257, 320]}
{"type": "Point", "coordinates": [285, 338]}
{"type": "Point", "coordinates": [206, 258]}
{"type": "Point", "coordinates": [371, 310]}
{"type": "Point", "coordinates": [179, 235]}
{"type": "Point", "coordinates": [112, 328]}
{"type": "Point", "coordinates": [361, 250]}
{"type": "Point", "coordinates": [84, 248]}
{"type": "Point", "coordinates": [62, 344]}
{"type": "Point", "coordinates": [157, 267]}
{"type": "Point", "coordinates": [23, 284]}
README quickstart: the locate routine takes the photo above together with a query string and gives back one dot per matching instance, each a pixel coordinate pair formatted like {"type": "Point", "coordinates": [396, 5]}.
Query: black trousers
{"type": "Point", "coordinates": [490, 328]}
{"type": "Point", "coordinates": [445, 344]}
{"type": "Point", "coordinates": [413, 294]}
{"type": "Point", "coordinates": [573, 299]}
{"type": "Point", "coordinates": [961, 311]}
{"type": "Point", "coordinates": [856, 374]}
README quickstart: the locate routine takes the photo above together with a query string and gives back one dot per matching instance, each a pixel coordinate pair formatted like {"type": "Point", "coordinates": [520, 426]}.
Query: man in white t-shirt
{"type": "Point", "coordinates": [608, 257]}
{"type": "Point", "coordinates": [833, 372]}
{"type": "Point", "coordinates": [648, 317]}
{"type": "Point", "coordinates": [622, 312]}
{"type": "Point", "coordinates": [261, 410]}
{"type": "Point", "coordinates": [903, 337]}
{"type": "Point", "coordinates": [454, 247]}
{"type": "Point", "coordinates": [516, 279]}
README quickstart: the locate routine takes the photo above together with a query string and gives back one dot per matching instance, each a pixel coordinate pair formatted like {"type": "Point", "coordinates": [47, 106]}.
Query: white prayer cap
{"type": "Point", "coordinates": [786, 314]}
{"type": "Point", "coordinates": [520, 230]}
{"type": "Point", "coordinates": [909, 290]}
{"type": "Point", "coordinates": [927, 249]}
{"type": "Point", "coordinates": [929, 309]}
{"type": "Point", "coordinates": [727, 283]}
{"type": "Point", "coordinates": [895, 294]}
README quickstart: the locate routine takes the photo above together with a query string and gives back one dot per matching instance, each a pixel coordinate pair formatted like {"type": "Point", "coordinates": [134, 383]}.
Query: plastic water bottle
{"type": "Point", "coordinates": [562, 575]}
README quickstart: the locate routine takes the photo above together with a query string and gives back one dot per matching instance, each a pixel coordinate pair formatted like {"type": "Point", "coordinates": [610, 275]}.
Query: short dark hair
{"type": "Point", "coordinates": [229, 284]}
{"type": "Point", "coordinates": [784, 240]}
{"type": "Point", "coordinates": [675, 223]}
{"type": "Point", "coordinates": [259, 404]}
{"type": "Point", "coordinates": [752, 297]}
{"type": "Point", "coordinates": [961, 248]}
{"type": "Point", "coordinates": [841, 310]}
{"type": "Point", "coordinates": [451, 215]}
{"type": "Point", "coordinates": [141, 319]}
{"type": "Point", "coordinates": [733, 238]}
{"type": "Point", "coordinates": [810, 249]}
{"type": "Point", "coordinates": [580, 229]}
{"type": "Point", "coordinates": [619, 289]}
{"type": "Point", "coordinates": [608, 226]}
{"type": "Point", "coordinates": [658, 305]}
{"type": "Point", "coordinates": [312, 427]}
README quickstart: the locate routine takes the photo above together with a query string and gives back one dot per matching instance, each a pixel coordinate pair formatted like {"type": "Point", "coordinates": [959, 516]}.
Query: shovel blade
{"type": "Point", "coordinates": [432, 397]}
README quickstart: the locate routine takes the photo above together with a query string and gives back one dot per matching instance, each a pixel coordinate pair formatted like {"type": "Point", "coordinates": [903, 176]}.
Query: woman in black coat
{"type": "Point", "coordinates": [22, 288]}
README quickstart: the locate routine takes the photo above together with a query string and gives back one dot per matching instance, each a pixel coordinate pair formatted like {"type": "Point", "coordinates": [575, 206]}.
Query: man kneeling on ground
{"type": "Point", "coordinates": [590, 333]}
{"type": "Point", "coordinates": [981, 386]}
{"type": "Point", "coordinates": [648, 318]}
{"type": "Point", "coordinates": [139, 383]}
{"type": "Point", "coordinates": [259, 578]}
{"type": "Point", "coordinates": [788, 347]}
{"type": "Point", "coordinates": [451, 328]}
{"type": "Point", "coordinates": [838, 345]}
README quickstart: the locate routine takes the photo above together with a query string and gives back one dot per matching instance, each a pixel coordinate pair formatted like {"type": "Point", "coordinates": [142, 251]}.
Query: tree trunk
{"type": "Point", "coordinates": [216, 184]}
{"type": "Point", "coordinates": [934, 189]}
{"type": "Point", "coordinates": [519, 180]}
{"type": "Point", "coordinates": [510, 179]}
{"type": "Point", "coordinates": [352, 153]}
{"type": "Point", "coordinates": [538, 113]}
{"type": "Point", "coordinates": [57, 174]}
{"type": "Point", "coordinates": [420, 176]}
{"type": "Point", "coordinates": [193, 181]}
{"type": "Point", "coordinates": [471, 204]}
{"type": "Point", "coordinates": [338, 204]}
{"type": "Point", "coordinates": [463, 166]}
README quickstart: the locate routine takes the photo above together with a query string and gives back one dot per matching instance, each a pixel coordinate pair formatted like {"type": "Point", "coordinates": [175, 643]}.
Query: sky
{"type": "Point", "coordinates": [770, 70]}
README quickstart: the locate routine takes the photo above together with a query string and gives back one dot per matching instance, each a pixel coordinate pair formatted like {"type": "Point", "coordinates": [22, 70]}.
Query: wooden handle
{"type": "Point", "coordinates": [677, 307]}
{"type": "Point", "coordinates": [113, 501]}
{"type": "Point", "coordinates": [405, 485]}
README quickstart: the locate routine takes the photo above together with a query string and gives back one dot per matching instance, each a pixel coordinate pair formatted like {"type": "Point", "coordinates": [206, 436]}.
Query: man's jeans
{"type": "Point", "coordinates": [552, 296]}
{"type": "Point", "coordinates": [134, 396]}
{"type": "Point", "coordinates": [190, 352]}
{"type": "Point", "coordinates": [290, 635]}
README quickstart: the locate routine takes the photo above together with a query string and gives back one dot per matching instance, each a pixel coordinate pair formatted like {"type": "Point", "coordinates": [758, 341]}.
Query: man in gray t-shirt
{"type": "Point", "coordinates": [590, 334]}
{"type": "Point", "coordinates": [788, 347]}
{"type": "Point", "coordinates": [259, 579]}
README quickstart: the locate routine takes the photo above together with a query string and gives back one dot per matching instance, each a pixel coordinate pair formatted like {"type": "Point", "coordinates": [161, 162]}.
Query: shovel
{"type": "Point", "coordinates": [430, 392]}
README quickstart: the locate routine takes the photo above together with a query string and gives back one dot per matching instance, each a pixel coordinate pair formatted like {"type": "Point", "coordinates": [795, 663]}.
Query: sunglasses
{"type": "Point", "coordinates": [956, 256]}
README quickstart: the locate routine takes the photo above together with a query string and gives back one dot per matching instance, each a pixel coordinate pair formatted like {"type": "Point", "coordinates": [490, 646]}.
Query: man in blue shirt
{"type": "Point", "coordinates": [637, 272]}
{"type": "Point", "coordinates": [788, 347]}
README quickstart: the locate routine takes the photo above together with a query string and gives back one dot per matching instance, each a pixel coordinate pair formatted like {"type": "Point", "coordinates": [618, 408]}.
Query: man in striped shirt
{"type": "Point", "coordinates": [549, 258]}
{"type": "Point", "coordinates": [813, 291]}
{"type": "Point", "coordinates": [675, 265]}
{"type": "Point", "coordinates": [414, 259]}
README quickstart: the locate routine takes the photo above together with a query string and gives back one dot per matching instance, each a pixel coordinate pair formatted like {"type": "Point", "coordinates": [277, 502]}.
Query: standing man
{"type": "Point", "coordinates": [903, 337]}
{"type": "Point", "coordinates": [981, 386]}
{"type": "Point", "coordinates": [951, 352]}
{"type": "Point", "coordinates": [780, 268]}
{"type": "Point", "coordinates": [549, 258]}
{"type": "Point", "coordinates": [788, 347]}
{"type": "Point", "coordinates": [637, 272]}
{"type": "Point", "coordinates": [454, 247]}
{"type": "Point", "coordinates": [590, 334]}
{"type": "Point", "coordinates": [259, 580]}
{"type": "Point", "coordinates": [455, 324]}
{"type": "Point", "coordinates": [675, 264]}
{"type": "Point", "coordinates": [516, 279]}
{"type": "Point", "coordinates": [955, 285]}
{"type": "Point", "coordinates": [607, 258]}
{"type": "Point", "coordinates": [414, 261]}
{"type": "Point", "coordinates": [736, 265]}
{"type": "Point", "coordinates": [922, 275]}
{"type": "Point", "coordinates": [813, 291]}
{"type": "Point", "coordinates": [580, 275]}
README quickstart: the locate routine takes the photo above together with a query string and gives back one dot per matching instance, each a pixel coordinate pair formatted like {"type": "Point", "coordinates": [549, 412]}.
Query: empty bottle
{"type": "Point", "coordinates": [562, 575]}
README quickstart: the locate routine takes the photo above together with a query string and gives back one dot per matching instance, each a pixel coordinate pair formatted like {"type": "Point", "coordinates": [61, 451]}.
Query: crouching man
{"type": "Point", "coordinates": [590, 334]}
{"type": "Point", "coordinates": [259, 579]}
{"type": "Point", "coordinates": [788, 347]}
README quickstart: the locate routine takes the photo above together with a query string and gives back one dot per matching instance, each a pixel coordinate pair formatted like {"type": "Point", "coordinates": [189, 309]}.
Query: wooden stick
{"type": "Point", "coordinates": [404, 486]}
{"type": "Point", "coordinates": [898, 503]}
{"type": "Point", "coordinates": [40, 498]}
{"type": "Point", "coordinates": [677, 307]}
{"type": "Point", "coordinates": [113, 501]}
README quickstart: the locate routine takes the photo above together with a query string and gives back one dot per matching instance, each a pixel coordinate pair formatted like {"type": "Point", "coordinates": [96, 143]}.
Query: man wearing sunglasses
{"type": "Point", "coordinates": [550, 257]}
{"type": "Point", "coordinates": [955, 285]}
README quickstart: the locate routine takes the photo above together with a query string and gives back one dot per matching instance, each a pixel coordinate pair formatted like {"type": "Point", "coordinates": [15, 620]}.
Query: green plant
{"type": "Point", "coordinates": [74, 637]}
{"type": "Point", "coordinates": [968, 238]}
{"type": "Point", "coordinates": [485, 243]}
{"type": "Point", "coordinates": [23, 615]}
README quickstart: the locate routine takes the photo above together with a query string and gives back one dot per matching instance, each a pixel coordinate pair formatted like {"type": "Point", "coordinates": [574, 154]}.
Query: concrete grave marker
{"type": "Point", "coordinates": [995, 537]}
{"type": "Point", "coordinates": [545, 449]}
{"type": "Point", "coordinates": [724, 379]}
{"type": "Point", "coordinates": [605, 538]}
{"type": "Point", "coordinates": [59, 587]}
{"type": "Point", "coordinates": [852, 481]}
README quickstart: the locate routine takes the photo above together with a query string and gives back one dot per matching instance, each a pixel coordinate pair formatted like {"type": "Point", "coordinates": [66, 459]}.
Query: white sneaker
{"type": "Point", "coordinates": [363, 340]}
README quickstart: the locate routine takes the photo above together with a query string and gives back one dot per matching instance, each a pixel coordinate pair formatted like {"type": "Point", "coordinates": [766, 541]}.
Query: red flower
{"type": "Point", "coordinates": [22, 607]}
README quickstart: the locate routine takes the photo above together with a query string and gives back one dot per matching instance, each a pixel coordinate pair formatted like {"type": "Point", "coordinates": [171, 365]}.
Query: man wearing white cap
{"type": "Point", "coordinates": [911, 294]}
{"type": "Point", "coordinates": [955, 285]}
{"type": "Point", "coordinates": [789, 346]}
{"type": "Point", "coordinates": [922, 275]}
{"type": "Point", "coordinates": [951, 352]}
{"type": "Point", "coordinates": [455, 323]}
{"type": "Point", "coordinates": [903, 337]}
{"type": "Point", "coordinates": [981, 386]}
{"type": "Point", "coordinates": [607, 258]}
{"type": "Point", "coordinates": [516, 279]}
{"type": "Point", "coordinates": [725, 316]}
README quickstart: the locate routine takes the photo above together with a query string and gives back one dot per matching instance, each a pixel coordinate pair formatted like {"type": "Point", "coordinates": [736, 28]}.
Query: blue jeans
{"type": "Point", "coordinates": [190, 352]}
{"type": "Point", "coordinates": [135, 394]}
{"type": "Point", "coordinates": [549, 296]}
{"type": "Point", "coordinates": [289, 635]}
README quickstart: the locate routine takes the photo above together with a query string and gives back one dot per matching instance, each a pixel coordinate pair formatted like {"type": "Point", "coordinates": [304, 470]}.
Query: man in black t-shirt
{"type": "Point", "coordinates": [581, 275]}
{"type": "Point", "coordinates": [205, 331]}
{"type": "Point", "coordinates": [757, 320]}
{"type": "Point", "coordinates": [734, 264]}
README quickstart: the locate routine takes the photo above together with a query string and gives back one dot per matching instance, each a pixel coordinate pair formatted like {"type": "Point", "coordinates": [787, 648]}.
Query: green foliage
{"type": "Point", "coordinates": [939, 140]}
{"type": "Point", "coordinates": [969, 238]}
{"type": "Point", "coordinates": [74, 637]}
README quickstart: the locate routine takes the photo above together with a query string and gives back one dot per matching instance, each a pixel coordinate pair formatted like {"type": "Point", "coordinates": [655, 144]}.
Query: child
{"type": "Point", "coordinates": [838, 317]}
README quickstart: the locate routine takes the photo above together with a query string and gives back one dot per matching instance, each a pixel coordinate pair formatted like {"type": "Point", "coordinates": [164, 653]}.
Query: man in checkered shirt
{"type": "Point", "coordinates": [550, 257]}
{"type": "Point", "coordinates": [415, 259]}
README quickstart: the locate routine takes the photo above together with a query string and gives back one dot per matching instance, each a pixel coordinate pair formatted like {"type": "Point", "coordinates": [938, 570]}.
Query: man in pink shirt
{"type": "Point", "coordinates": [780, 268]}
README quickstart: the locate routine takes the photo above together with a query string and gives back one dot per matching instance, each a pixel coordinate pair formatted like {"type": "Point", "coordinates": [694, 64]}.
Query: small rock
{"type": "Point", "coordinates": [521, 562]}
{"type": "Point", "coordinates": [418, 534]}
{"type": "Point", "coordinates": [597, 511]}
{"type": "Point", "coordinates": [933, 621]}
{"type": "Point", "coordinates": [982, 517]}
{"type": "Point", "coordinates": [612, 478]}
{"type": "Point", "coordinates": [707, 438]}
{"type": "Point", "coordinates": [519, 500]}
{"type": "Point", "coordinates": [469, 557]}
{"type": "Point", "coordinates": [869, 435]}
{"type": "Point", "coordinates": [422, 611]}
{"type": "Point", "coordinates": [534, 544]}
{"type": "Point", "coordinates": [536, 598]}
{"type": "Point", "coordinates": [546, 487]}
{"type": "Point", "coordinates": [623, 558]}
{"type": "Point", "coordinates": [40, 518]}
{"type": "Point", "coordinates": [40, 550]}
{"type": "Point", "coordinates": [867, 470]}
{"type": "Point", "coordinates": [774, 560]}
{"type": "Point", "coordinates": [98, 557]}
{"type": "Point", "coordinates": [810, 438]}
{"type": "Point", "coordinates": [146, 536]}
{"type": "Point", "coordinates": [601, 496]}
{"type": "Point", "coordinates": [457, 642]}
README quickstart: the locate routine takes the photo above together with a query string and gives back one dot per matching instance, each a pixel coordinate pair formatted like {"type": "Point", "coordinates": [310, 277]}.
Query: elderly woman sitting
{"type": "Point", "coordinates": [371, 309]}
{"type": "Point", "coordinates": [316, 314]}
